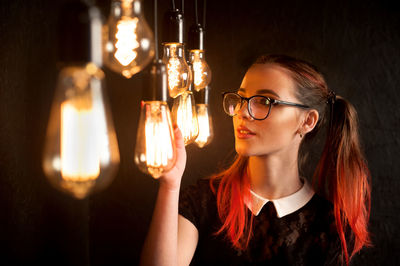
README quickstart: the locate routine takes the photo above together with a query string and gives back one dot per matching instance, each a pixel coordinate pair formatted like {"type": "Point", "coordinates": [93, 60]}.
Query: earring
{"type": "Point", "coordinates": [301, 135]}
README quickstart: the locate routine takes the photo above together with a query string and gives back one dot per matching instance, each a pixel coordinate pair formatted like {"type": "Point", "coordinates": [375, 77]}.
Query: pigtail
{"type": "Point", "coordinates": [342, 175]}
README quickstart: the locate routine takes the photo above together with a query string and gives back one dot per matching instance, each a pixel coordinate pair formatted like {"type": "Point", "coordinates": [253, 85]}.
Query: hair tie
{"type": "Point", "coordinates": [331, 97]}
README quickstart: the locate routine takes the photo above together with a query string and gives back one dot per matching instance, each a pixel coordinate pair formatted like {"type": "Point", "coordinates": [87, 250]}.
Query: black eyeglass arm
{"type": "Point", "coordinates": [289, 103]}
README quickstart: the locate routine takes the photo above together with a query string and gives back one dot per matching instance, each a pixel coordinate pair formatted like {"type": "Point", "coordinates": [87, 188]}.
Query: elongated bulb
{"type": "Point", "coordinates": [81, 153]}
{"type": "Point", "coordinates": [80, 158]}
{"type": "Point", "coordinates": [155, 151]}
{"type": "Point", "coordinates": [178, 71]}
{"type": "Point", "coordinates": [205, 125]}
{"type": "Point", "coordinates": [129, 41]}
{"type": "Point", "coordinates": [184, 116]}
{"type": "Point", "coordinates": [202, 72]}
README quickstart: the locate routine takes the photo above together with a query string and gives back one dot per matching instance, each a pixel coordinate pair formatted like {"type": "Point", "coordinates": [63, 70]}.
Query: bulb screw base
{"type": "Point", "coordinates": [173, 27]}
{"type": "Point", "coordinates": [158, 81]}
{"type": "Point", "coordinates": [196, 37]}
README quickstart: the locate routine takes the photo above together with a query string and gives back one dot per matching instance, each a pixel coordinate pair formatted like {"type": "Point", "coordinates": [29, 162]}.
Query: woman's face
{"type": "Point", "coordinates": [279, 132]}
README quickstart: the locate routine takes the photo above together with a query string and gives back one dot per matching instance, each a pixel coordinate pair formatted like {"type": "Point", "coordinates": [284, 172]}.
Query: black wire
{"type": "Point", "coordinates": [183, 6]}
{"type": "Point", "coordinates": [155, 30]}
{"type": "Point", "coordinates": [204, 13]}
{"type": "Point", "coordinates": [173, 4]}
{"type": "Point", "coordinates": [196, 12]}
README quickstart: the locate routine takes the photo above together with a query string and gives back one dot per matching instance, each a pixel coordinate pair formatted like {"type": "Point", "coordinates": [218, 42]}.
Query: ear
{"type": "Point", "coordinates": [309, 122]}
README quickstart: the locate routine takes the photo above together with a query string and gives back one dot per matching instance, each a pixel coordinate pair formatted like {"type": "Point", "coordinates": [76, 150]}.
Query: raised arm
{"type": "Point", "coordinates": [170, 242]}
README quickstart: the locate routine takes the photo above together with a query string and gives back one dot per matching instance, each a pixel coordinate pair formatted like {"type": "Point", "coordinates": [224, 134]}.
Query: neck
{"type": "Point", "coordinates": [273, 178]}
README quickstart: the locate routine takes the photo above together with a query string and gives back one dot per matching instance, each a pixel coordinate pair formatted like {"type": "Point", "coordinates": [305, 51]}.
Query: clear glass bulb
{"type": "Point", "coordinates": [178, 71]}
{"type": "Point", "coordinates": [206, 133]}
{"type": "Point", "coordinates": [81, 151]}
{"type": "Point", "coordinates": [202, 72]}
{"type": "Point", "coordinates": [184, 116]}
{"type": "Point", "coordinates": [129, 41]}
{"type": "Point", "coordinates": [155, 151]}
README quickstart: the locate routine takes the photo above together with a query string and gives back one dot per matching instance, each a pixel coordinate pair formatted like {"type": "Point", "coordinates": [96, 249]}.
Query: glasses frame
{"type": "Point", "coordinates": [271, 100]}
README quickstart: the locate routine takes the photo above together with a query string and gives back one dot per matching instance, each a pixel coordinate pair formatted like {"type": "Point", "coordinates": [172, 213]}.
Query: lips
{"type": "Point", "coordinates": [243, 132]}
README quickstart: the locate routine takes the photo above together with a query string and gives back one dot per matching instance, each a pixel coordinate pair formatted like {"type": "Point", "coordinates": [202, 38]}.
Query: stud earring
{"type": "Point", "coordinates": [301, 135]}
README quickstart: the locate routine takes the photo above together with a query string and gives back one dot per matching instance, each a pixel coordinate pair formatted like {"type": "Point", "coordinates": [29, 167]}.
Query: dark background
{"type": "Point", "coordinates": [355, 44]}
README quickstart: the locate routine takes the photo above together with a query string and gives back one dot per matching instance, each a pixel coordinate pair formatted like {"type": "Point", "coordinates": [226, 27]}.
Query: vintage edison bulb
{"type": "Point", "coordinates": [178, 71]}
{"type": "Point", "coordinates": [205, 125]}
{"type": "Point", "coordinates": [155, 151]}
{"type": "Point", "coordinates": [184, 116]}
{"type": "Point", "coordinates": [202, 72]}
{"type": "Point", "coordinates": [81, 151]}
{"type": "Point", "coordinates": [129, 41]}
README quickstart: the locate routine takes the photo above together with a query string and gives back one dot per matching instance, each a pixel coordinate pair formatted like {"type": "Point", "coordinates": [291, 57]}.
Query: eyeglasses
{"type": "Point", "coordinates": [258, 106]}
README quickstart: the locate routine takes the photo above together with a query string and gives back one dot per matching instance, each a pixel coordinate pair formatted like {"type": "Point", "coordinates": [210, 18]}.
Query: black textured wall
{"type": "Point", "coordinates": [356, 45]}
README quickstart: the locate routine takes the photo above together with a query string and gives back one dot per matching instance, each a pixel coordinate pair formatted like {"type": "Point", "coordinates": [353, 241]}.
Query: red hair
{"type": "Point", "coordinates": [341, 175]}
{"type": "Point", "coordinates": [233, 189]}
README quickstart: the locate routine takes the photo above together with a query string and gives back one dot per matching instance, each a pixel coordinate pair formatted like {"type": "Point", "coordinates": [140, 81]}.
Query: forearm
{"type": "Point", "coordinates": [161, 244]}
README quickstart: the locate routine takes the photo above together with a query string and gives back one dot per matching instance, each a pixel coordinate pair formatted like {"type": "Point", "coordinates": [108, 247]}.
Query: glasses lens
{"type": "Point", "coordinates": [231, 103]}
{"type": "Point", "coordinates": [259, 107]}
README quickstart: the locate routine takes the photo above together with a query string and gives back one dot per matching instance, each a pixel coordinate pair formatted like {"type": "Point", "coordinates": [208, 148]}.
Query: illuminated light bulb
{"type": "Point", "coordinates": [81, 152]}
{"type": "Point", "coordinates": [205, 125]}
{"type": "Point", "coordinates": [129, 43]}
{"type": "Point", "coordinates": [184, 116]}
{"type": "Point", "coordinates": [178, 71]}
{"type": "Point", "coordinates": [155, 151]}
{"type": "Point", "coordinates": [202, 72]}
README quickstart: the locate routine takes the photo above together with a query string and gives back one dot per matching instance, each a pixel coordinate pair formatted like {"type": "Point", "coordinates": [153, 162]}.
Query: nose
{"type": "Point", "coordinates": [243, 111]}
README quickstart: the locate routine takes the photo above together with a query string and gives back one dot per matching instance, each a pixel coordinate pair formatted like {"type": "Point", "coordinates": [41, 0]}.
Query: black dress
{"type": "Point", "coordinates": [307, 236]}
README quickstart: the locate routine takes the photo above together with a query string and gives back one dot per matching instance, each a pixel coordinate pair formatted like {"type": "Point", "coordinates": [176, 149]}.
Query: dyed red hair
{"type": "Point", "coordinates": [341, 175]}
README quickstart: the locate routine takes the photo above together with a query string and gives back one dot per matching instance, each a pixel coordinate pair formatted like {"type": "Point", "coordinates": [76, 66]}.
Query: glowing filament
{"type": "Point", "coordinates": [173, 69]}
{"type": "Point", "coordinates": [205, 133]}
{"type": "Point", "coordinates": [80, 160]}
{"type": "Point", "coordinates": [201, 70]}
{"type": "Point", "coordinates": [198, 72]}
{"type": "Point", "coordinates": [126, 43]}
{"type": "Point", "coordinates": [159, 146]}
{"type": "Point", "coordinates": [186, 118]}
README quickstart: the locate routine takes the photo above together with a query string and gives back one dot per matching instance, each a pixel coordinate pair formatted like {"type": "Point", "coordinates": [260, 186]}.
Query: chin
{"type": "Point", "coordinates": [243, 149]}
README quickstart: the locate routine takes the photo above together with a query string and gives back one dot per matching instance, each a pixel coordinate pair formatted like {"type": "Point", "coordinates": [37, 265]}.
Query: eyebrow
{"type": "Point", "coordinates": [262, 91]}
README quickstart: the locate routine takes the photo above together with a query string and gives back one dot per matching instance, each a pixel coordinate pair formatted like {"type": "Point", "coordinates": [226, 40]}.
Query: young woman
{"type": "Point", "coordinates": [261, 210]}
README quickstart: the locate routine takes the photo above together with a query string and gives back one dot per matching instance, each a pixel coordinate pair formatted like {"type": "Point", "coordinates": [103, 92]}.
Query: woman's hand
{"type": "Point", "coordinates": [161, 245]}
{"type": "Point", "coordinates": [171, 180]}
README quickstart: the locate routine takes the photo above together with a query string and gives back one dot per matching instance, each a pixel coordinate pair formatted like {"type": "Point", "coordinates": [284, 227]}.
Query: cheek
{"type": "Point", "coordinates": [281, 125]}
{"type": "Point", "coordinates": [273, 134]}
{"type": "Point", "coordinates": [277, 133]}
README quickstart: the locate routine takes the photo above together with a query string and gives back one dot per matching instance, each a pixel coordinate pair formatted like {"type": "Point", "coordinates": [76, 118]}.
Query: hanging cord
{"type": "Point", "coordinates": [196, 12]}
{"type": "Point", "coordinates": [204, 13]}
{"type": "Point", "coordinates": [156, 30]}
{"type": "Point", "coordinates": [173, 4]}
{"type": "Point", "coordinates": [183, 6]}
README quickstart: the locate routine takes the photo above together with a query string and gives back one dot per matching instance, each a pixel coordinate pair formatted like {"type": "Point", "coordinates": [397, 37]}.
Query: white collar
{"type": "Point", "coordinates": [283, 206]}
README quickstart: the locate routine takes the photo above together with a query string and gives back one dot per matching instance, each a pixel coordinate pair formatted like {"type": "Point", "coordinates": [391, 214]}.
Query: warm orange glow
{"type": "Point", "coordinates": [173, 67]}
{"type": "Point", "coordinates": [155, 144]}
{"type": "Point", "coordinates": [127, 42]}
{"type": "Point", "coordinates": [202, 72]}
{"type": "Point", "coordinates": [185, 116]}
{"type": "Point", "coordinates": [80, 160]}
{"type": "Point", "coordinates": [205, 126]}
{"type": "Point", "coordinates": [173, 70]}
{"type": "Point", "coordinates": [198, 70]}
{"type": "Point", "coordinates": [159, 148]}
{"type": "Point", "coordinates": [179, 74]}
